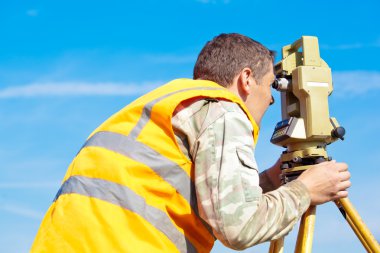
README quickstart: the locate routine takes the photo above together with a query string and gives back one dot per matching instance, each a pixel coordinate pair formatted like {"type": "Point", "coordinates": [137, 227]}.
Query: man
{"type": "Point", "coordinates": [175, 169]}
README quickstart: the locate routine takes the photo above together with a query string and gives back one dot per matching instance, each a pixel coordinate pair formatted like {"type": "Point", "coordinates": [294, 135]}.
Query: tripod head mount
{"type": "Point", "coordinates": [305, 83]}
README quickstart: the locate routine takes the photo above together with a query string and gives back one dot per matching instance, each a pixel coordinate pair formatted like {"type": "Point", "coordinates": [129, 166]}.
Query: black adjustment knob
{"type": "Point", "coordinates": [320, 160]}
{"type": "Point", "coordinates": [338, 132]}
{"type": "Point", "coordinates": [297, 159]}
{"type": "Point", "coordinates": [275, 84]}
{"type": "Point", "coordinates": [284, 166]}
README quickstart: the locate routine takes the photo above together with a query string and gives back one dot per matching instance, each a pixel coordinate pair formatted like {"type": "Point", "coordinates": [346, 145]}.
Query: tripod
{"type": "Point", "coordinates": [358, 226]}
{"type": "Point", "coordinates": [306, 229]}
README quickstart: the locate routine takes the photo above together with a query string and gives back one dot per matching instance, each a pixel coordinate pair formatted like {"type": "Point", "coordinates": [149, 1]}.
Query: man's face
{"type": "Point", "coordinates": [261, 95]}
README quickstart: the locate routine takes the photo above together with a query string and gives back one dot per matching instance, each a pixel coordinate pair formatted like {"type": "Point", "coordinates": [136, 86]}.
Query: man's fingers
{"type": "Point", "coordinates": [341, 166]}
{"type": "Point", "coordinates": [341, 194]}
{"type": "Point", "coordinates": [327, 181]}
{"type": "Point", "coordinates": [344, 175]}
{"type": "Point", "coordinates": [333, 164]}
{"type": "Point", "coordinates": [344, 185]}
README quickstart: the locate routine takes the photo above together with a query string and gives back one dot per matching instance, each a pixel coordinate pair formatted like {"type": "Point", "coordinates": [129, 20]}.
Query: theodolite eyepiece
{"type": "Point", "coordinates": [281, 84]}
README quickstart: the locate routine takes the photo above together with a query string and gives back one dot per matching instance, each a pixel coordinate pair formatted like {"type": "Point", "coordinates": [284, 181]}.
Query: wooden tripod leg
{"type": "Point", "coordinates": [306, 231]}
{"type": "Point", "coordinates": [277, 246]}
{"type": "Point", "coordinates": [358, 226]}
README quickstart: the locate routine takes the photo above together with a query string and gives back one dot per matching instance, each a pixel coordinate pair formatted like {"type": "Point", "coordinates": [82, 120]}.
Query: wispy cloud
{"type": "Point", "coordinates": [34, 185]}
{"type": "Point", "coordinates": [351, 83]}
{"type": "Point", "coordinates": [349, 46]}
{"type": "Point", "coordinates": [21, 211]}
{"type": "Point", "coordinates": [344, 46]}
{"type": "Point", "coordinates": [346, 83]}
{"type": "Point", "coordinates": [76, 89]}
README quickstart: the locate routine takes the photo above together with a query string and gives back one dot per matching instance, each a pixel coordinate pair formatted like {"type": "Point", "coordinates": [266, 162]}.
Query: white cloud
{"type": "Point", "coordinates": [343, 46]}
{"type": "Point", "coordinates": [350, 83]}
{"type": "Point", "coordinates": [35, 185]}
{"type": "Point", "coordinates": [21, 211]}
{"type": "Point", "coordinates": [346, 84]}
{"type": "Point", "coordinates": [76, 89]}
{"type": "Point", "coordinates": [357, 45]}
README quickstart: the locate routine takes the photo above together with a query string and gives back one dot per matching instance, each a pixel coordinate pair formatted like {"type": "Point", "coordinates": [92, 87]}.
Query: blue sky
{"type": "Point", "coordinates": [65, 66]}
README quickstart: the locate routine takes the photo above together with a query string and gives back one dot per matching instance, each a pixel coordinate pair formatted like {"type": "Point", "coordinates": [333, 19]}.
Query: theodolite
{"type": "Point", "coordinates": [305, 83]}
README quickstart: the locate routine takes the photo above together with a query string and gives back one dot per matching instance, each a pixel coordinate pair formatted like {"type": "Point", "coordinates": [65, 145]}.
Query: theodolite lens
{"type": "Point", "coordinates": [275, 84]}
{"type": "Point", "coordinates": [280, 84]}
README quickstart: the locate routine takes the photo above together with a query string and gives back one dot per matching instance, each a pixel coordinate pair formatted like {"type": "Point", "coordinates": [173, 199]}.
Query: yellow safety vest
{"type": "Point", "coordinates": [130, 188]}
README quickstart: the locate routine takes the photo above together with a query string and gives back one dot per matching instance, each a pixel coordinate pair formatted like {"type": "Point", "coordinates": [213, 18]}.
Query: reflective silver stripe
{"type": "Point", "coordinates": [147, 110]}
{"type": "Point", "coordinates": [165, 168]}
{"type": "Point", "coordinates": [168, 170]}
{"type": "Point", "coordinates": [124, 197]}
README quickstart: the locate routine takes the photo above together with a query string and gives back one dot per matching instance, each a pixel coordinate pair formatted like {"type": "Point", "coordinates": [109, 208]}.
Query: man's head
{"type": "Point", "coordinates": [243, 66]}
{"type": "Point", "coordinates": [222, 58]}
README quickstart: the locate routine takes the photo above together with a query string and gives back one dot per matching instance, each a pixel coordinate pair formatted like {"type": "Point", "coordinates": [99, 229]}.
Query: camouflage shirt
{"type": "Point", "coordinates": [217, 137]}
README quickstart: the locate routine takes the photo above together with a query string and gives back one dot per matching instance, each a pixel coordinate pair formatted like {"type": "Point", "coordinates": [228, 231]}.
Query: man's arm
{"type": "Point", "coordinates": [219, 139]}
{"type": "Point", "coordinates": [217, 136]}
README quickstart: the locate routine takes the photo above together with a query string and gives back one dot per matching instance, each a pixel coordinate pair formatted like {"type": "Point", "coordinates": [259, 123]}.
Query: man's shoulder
{"type": "Point", "coordinates": [229, 106]}
{"type": "Point", "coordinates": [210, 108]}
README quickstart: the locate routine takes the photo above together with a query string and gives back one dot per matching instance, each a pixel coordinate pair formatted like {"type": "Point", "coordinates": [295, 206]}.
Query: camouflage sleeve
{"type": "Point", "coordinates": [229, 195]}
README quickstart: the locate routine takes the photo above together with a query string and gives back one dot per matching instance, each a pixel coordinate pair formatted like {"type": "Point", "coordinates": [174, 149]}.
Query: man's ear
{"type": "Point", "coordinates": [245, 81]}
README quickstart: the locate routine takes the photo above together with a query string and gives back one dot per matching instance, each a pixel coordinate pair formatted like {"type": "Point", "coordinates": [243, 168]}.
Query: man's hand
{"type": "Point", "coordinates": [274, 174]}
{"type": "Point", "coordinates": [326, 181]}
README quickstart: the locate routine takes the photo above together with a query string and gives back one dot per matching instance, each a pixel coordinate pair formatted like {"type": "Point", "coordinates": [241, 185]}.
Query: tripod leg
{"type": "Point", "coordinates": [306, 231]}
{"type": "Point", "coordinates": [357, 232]}
{"type": "Point", "coordinates": [357, 225]}
{"type": "Point", "coordinates": [277, 246]}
